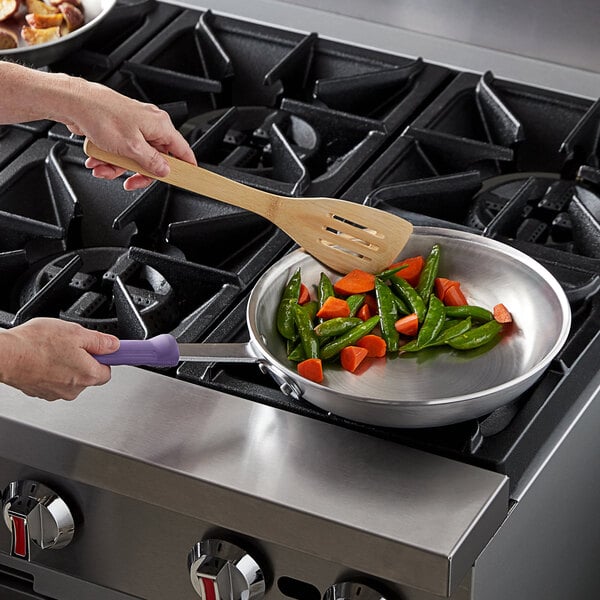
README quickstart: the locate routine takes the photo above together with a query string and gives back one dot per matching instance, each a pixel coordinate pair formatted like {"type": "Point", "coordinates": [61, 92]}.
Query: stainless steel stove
{"type": "Point", "coordinates": [207, 480]}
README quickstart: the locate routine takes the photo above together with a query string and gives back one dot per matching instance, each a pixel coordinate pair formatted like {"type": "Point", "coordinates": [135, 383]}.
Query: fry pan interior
{"type": "Point", "coordinates": [436, 386]}
{"type": "Point", "coordinates": [43, 54]}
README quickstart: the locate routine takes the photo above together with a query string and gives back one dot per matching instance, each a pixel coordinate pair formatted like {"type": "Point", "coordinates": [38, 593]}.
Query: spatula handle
{"type": "Point", "coordinates": [159, 351]}
{"type": "Point", "coordinates": [195, 179]}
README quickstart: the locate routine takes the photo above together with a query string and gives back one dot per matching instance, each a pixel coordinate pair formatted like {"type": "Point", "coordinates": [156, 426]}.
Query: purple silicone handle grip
{"type": "Point", "coordinates": [159, 351]}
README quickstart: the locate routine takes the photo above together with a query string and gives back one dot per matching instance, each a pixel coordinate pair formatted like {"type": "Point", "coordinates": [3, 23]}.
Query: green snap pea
{"type": "Point", "coordinates": [389, 272]}
{"type": "Point", "coordinates": [336, 326]}
{"type": "Point", "coordinates": [409, 296]}
{"type": "Point", "coordinates": [433, 322]}
{"type": "Point", "coordinates": [400, 306]}
{"type": "Point", "coordinates": [429, 273]}
{"type": "Point", "coordinates": [311, 308]}
{"type": "Point", "coordinates": [308, 337]}
{"type": "Point", "coordinates": [451, 332]}
{"type": "Point", "coordinates": [476, 337]}
{"type": "Point", "coordinates": [388, 313]}
{"type": "Point", "coordinates": [475, 312]}
{"type": "Point", "coordinates": [297, 353]}
{"type": "Point", "coordinates": [355, 302]}
{"type": "Point", "coordinates": [285, 312]}
{"type": "Point", "coordinates": [347, 339]}
{"type": "Point", "coordinates": [324, 289]}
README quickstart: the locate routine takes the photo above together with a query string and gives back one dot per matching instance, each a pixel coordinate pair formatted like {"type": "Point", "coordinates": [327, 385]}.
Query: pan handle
{"type": "Point", "coordinates": [164, 351]}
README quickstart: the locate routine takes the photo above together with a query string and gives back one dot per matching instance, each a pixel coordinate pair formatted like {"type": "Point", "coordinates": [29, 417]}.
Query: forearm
{"type": "Point", "coordinates": [31, 95]}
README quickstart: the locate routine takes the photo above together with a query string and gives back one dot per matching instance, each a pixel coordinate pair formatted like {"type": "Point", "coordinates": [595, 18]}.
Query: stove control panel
{"type": "Point", "coordinates": [351, 591]}
{"type": "Point", "coordinates": [220, 570]}
{"type": "Point", "coordinates": [35, 513]}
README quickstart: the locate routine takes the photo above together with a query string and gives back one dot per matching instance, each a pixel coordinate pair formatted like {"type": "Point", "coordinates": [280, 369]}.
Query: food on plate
{"type": "Point", "coordinates": [37, 21]}
{"type": "Point", "coordinates": [360, 317]}
{"type": "Point", "coordinates": [8, 8]}
{"type": "Point", "coordinates": [8, 39]}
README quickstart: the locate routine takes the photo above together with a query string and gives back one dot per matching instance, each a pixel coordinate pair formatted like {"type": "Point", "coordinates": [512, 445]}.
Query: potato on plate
{"type": "Point", "coordinates": [73, 17]}
{"type": "Point", "coordinates": [8, 8]}
{"type": "Point", "coordinates": [33, 37]}
{"type": "Point", "coordinates": [8, 40]}
{"type": "Point", "coordinates": [38, 7]}
{"type": "Point", "coordinates": [44, 21]}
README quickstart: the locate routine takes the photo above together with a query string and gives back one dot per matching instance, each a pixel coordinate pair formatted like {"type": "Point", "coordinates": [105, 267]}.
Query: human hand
{"type": "Point", "coordinates": [127, 127]}
{"type": "Point", "coordinates": [51, 359]}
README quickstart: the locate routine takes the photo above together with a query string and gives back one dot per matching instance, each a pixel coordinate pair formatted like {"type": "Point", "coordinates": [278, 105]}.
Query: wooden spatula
{"type": "Point", "coordinates": [340, 234]}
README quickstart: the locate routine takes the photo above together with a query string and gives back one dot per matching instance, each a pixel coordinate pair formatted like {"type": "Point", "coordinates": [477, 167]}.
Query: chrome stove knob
{"type": "Point", "coordinates": [35, 513]}
{"type": "Point", "coordinates": [351, 591]}
{"type": "Point", "coordinates": [222, 571]}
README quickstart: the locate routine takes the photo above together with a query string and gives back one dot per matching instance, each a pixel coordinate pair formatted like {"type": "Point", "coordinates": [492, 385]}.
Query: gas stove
{"type": "Point", "coordinates": [174, 478]}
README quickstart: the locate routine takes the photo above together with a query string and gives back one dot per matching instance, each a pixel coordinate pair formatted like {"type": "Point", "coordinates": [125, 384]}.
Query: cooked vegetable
{"type": "Point", "coordinates": [447, 333]}
{"type": "Point", "coordinates": [476, 337]}
{"type": "Point", "coordinates": [308, 337]}
{"type": "Point", "coordinates": [409, 296]}
{"type": "Point", "coordinates": [351, 357]}
{"type": "Point", "coordinates": [412, 269]}
{"type": "Point", "coordinates": [391, 271]}
{"type": "Point", "coordinates": [364, 312]}
{"type": "Point", "coordinates": [501, 314]}
{"type": "Point", "coordinates": [336, 326]}
{"type": "Point", "coordinates": [304, 294]}
{"type": "Point", "coordinates": [433, 322]}
{"type": "Point", "coordinates": [312, 369]}
{"type": "Point", "coordinates": [476, 312]}
{"type": "Point", "coordinates": [285, 312]}
{"type": "Point", "coordinates": [8, 8]}
{"type": "Point", "coordinates": [375, 345]}
{"type": "Point", "coordinates": [334, 307]}
{"type": "Point", "coordinates": [454, 296]}
{"type": "Point", "coordinates": [356, 282]}
{"type": "Point", "coordinates": [429, 273]}
{"type": "Point", "coordinates": [334, 347]}
{"type": "Point", "coordinates": [324, 289]}
{"type": "Point", "coordinates": [386, 307]}
{"type": "Point", "coordinates": [408, 325]}
{"type": "Point", "coordinates": [355, 302]}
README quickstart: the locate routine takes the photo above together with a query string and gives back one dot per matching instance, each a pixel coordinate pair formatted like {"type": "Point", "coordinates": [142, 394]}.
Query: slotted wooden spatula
{"type": "Point", "coordinates": [340, 234]}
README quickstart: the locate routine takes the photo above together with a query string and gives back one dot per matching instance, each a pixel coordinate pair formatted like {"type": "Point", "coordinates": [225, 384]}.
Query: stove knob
{"type": "Point", "coordinates": [351, 591]}
{"type": "Point", "coordinates": [35, 513]}
{"type": "Point", "coordinates": [222, 571]}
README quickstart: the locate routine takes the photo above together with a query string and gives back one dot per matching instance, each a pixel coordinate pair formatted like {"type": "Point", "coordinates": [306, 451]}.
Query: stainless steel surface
{"type": "Point", "coordinates": [231, 462]}
{"type": "Point", "coordinates": [458, 53]}
{"type": "Point", "coordinates": [43, 54]}
{"type": "Point", "coordinates": [441, 387]}
{"type": "Point", "coordinates": [214, 352]}
{"type": "Point", "coordinates": [220, 570]}
{"type": "Point", "coordinates": [48, 520]}
{"type": "Point", "coordinates": [351, 591]}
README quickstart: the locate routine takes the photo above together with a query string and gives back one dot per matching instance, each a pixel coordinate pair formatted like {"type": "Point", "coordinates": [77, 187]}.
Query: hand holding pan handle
{"type": "Point", "coordinates": [159, 351]}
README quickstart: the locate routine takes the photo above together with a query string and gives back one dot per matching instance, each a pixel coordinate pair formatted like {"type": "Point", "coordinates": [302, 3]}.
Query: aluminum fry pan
{"type": "Point", "coordinates": [434, 387]}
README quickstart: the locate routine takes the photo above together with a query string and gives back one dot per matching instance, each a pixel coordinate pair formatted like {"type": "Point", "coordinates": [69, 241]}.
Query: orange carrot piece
{"type": "Point", "coordinates": [454, 296]}
{"type": "Point", "coordinates": [351, 357]}
{"type": "Point", "coordinates": [364, 312]}
{"type": "Point", "coordinates": [375, 346]}
{"type": "Point", "coordinates": [408, 325]}
{"type": "Point", "coordinates": [442, 285]}
{"type": "Point", "coordinates": [414, 266]}
{"type": "Point", "coordinates": [304, 295]}
{"type": "Point", "coordinates": [311, 368]}
{"type": "Point", "coordinates": [355, 282]}
{"type": "Point", "coordinates": [502, 314]}
{"type": "Point", "coordinates": [371, 302]}
{"type": "Point", "coordinates": [334, 307]}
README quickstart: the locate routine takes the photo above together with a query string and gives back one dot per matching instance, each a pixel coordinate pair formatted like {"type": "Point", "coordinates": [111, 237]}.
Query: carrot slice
{"type": "Point", "coordinates": [355, 282]}
{"type": "Point", "coordinates": [442, 285]}
{"type": "Point", "coordinates": [414, 266]}
{"type": "Point", "coordinates": [375, 346]}
{"type": "Point", "coordinates": [334, 307]}
{"type": "Point", "coordinates": [311, 368]}
{"type": "Point", "coordinates": [304, 295]}
{"type": "Point", "coordinates": [364, 312]}
{"type": "Point", "coordinates": [408, 325]}
{"type": "Point", "coordinates": [454, 296]}
{"type": "Point", "coordinates": [371, 302]}
{"type": "Point", "coordinates": [351, 357]}
{"type": "Point", "coordinates": [501, 314]}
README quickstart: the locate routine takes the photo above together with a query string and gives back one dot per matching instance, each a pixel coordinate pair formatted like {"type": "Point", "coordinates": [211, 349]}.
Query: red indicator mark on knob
{"type": "Point", "coordinates": [19, 537]}
{"type": "Point", "coordinates": [210, 592]}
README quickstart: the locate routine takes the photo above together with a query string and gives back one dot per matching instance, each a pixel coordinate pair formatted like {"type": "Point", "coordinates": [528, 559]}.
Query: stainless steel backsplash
{"type": "Point", "coordinates": [554, 31]}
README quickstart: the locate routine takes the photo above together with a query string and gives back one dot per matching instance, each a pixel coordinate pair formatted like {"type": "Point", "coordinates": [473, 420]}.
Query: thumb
{"type": "Point", "coordinates": [100, 343]}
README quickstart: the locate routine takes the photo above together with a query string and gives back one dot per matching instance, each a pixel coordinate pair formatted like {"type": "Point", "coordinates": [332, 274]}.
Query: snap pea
{"type": "Point", "coordinates": [285, 312]}
{"type": "Point", "coordinates": [388, 313]}
{"type": "Point", "coordinates": [336, 326]}
{"type": "Point", "coordinates": [451, 332]}
{"type": "Point", "coordinates": [433, 322]}
{"type": "Point", "coordinates": [429, 273]}
{"type": "Point", "coordinates": [388, 272]}
{"type": "Point", "coordinates": [297, 353]}
{"type": "Point", "coordinates": [409, 296]}
{"type": "Point", "coordinates": [311, 308]}
{"type": "Point", "coordinates": [308, 337]}
{"type": "Point", "coordinates": [347, 339]}
{"type": "Point", "coordinates": [475, 312]}
{"type": "Point", "coordinates": [400, 306]}
{"type": "Point", "coordinates": [324, 289]}
{"type": "Point", "coordinates": [355, 302]}
{"type": "Point", "coordinates": [476, 337]}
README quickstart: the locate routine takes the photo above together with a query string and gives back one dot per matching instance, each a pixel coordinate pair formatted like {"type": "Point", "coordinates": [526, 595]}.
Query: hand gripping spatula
{"type": "Point", "coordinates": [340, 234]}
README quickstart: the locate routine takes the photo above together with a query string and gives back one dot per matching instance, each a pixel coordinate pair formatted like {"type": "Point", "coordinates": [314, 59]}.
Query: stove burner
{"type": "Point", "coordinates": [83, 289]}
{"type": "Point", "coordinates": [247, 142]}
